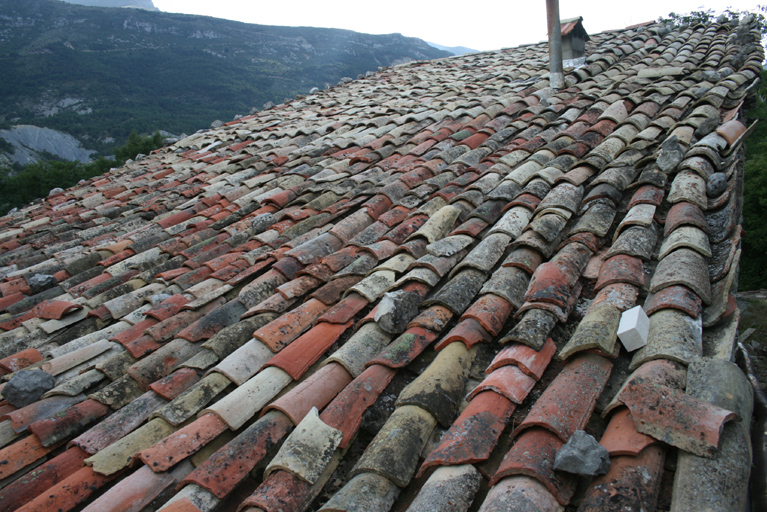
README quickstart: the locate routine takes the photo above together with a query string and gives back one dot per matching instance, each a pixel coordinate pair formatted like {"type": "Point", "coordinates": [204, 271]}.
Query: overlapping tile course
{"type": "Point", "coordinates": [220, 321]}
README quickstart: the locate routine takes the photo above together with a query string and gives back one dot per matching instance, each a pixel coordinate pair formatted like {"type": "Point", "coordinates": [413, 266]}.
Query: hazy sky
{"type": "Point", "coordinates": [481, 25]}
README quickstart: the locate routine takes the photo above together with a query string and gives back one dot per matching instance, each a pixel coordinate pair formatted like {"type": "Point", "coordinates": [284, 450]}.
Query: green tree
{"type": "Point", "coordinates": [753, 268]}
{"type": "Point", "coordinates": [36, 180]}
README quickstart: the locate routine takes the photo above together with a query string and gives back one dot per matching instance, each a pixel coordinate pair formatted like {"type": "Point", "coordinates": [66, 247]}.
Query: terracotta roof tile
{"type": "Point", "coordinates": [224, 266]}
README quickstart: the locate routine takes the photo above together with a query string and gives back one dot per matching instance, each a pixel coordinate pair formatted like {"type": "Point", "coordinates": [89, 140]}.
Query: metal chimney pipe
{"type": "Point", "coordinates": [557, 78]}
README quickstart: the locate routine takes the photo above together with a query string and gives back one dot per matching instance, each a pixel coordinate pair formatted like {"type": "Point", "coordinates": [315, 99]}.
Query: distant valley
{"type": "Point", "coordinates": [97, 73]}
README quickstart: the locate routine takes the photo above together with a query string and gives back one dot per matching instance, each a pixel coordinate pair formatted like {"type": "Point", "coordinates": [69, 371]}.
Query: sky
{"type": "Point", "coordinates": [479, 26]}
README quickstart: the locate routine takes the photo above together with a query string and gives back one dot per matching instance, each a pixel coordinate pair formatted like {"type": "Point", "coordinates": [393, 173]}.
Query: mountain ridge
{"type": "Point", "coordinates": [139, 4]}
{"type": "Point", "coordinates": [98, 73]}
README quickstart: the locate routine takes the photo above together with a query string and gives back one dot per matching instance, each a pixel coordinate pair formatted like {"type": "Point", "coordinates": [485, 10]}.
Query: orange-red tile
{"type": "Point", "coordinates": [530, 361]}
{"type": "Point", "coordinates": [315, 391]}
{"type": "Point", "coordinates": [297, 357]}
{"type": "Point", "coordinates": [346, 410]}
{"type": "Point", "coordinates": [34, 483]}
{"type": "Point", "coordinates": [77, 488]}
{"type": "Point", "coordinates": [278, 333]}
{"type": "Point", "coordinates": [533, 455]}
{"type": "Point", "coordinates": [183, 443]}
{"type": "Point", "coordinates": [468, 331]}
{"type": "Point", "coordinates": [21, 360]}
{"type": "Point", "coordinates": [474, 434]}
{"type": "Point", "coordinates": [20, 454]}
{"type": "Point", "coordinates": [171, 386]}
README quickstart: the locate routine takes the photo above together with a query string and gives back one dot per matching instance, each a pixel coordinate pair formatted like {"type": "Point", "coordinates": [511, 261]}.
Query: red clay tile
{"type": "Point", "coordinates": [315, 391]}
{"type": "Point", "coordinates": [16, 285]}
{"type": "Point", "coordinates": [298, 287]}
{"type": "Point", "coordinates": [67, 494]}
{"type": "Point", "coordinates": [182, 505]}
{"type": "Point", "coordinates": [102, 313]}
{"type": "Point", "coordinates": [675, 417]}
{"type": "Point", "coordinates": [632, 483]}
{"type": "Point", "coordinates": [182, 443]}
{"type": "Point", "coordinates": [621, 295]}
{"type": "Point", "coordinates": [55, 309]}
{"type": "Point", "coordinates": [590, 240]}
{"type": "Point", "coordinates": [399, 213]}
{"type": "Point", "coordinates": [176, 218]}
{"type": "Point", "coordinates": [135, 492]}
{"type": "Point", "coordinates": [434, 318]}
{"type": "Point", "coordinates": [133, 332]}
{"type": "Point", "coordinates": [274, 304]}
{"type": "Point", "coordinates": [377, 206]}
{"type": "Point", "coordinates": [530, 361]}
{"type": "Point", "coordinates": [176, 383]}
{"type": "Point", "coordinates": [173, 325]}
{"type": "Point", "coordinates": [34, 483]}
{"type": "Point", "coordinates": [529, 201]}
{"type": "Point", "coordinates": [647, 194]}
{"type": "Point", "coordinates": [69, 422]}
{"type": "Point", "coordinates": [116, 258]}
{"type": "Point", "coordinates": [621, 269]}
{"type": "Point", "coordinates": [508, 381]}
{"type": "Point", "coordinates": [20, 454]}
{"type": "Point", "coordinates": [227, 467]}
{"type": "Point", "coordinates": [370, 317]}
{"type": "Point", "coordinates": [346, 410]}
{"type": "Point", "coordinates": [61, 276]}
{"type": "Point", "coordinates": [297, 357]}
{"type": "Point", "coordinates": [684, 214]}
{"type": "Point", "coordinates": [674, 297]}
{"type": "Point", "coordinates": [345, 310]}
{"type": "Point", "coordinates": [22, 418]}
{"type": "Point", "coordinates": [17, 320]}
{"type": "Point", "coordinates": [278, 333]}
{"type": "Point", "coordinates": [171, 275]}
{"type": "Point", "coordinates": [318, 271]}
{"type": "Point", "coordinates": [472, 227]}
{"type": "Point", "coordinates": [621, 436]}
{"type": "Point", "coordinates": [12, 299]}
{"type": "Point", "coordinates": [533, 455]}
{"type": "Point", "coordinates": [21, 360]}
{"type": "Point", "coordinates": [340, 259]}
{"type": "Point", "coordinates": [550, 284]}
{"type": "Point", "coordinates": [332, 292]}
{"type": "Point", "coordinates": [406, 228]}
{"type": "Point", "coordinates": [142, 346]}
{"type": "Point", "coordinates": [468, 331]}
{"type": "Point", "coordinates": [250, 271]}
{"type": "Point", "coordinates": [474, 434]}
{"type": "Point", "coordinates": [566, 405]}
{"type": "Point", "coordinates": [401, 352]}
{"type": "Point", "coordinates": [279, 491]}
{"type": "Point", "coordinates": [525, 258]}
{"type": "Point", "coordinates": [491, 311]}
{"type": "Point", "coordinates": [192, 278]}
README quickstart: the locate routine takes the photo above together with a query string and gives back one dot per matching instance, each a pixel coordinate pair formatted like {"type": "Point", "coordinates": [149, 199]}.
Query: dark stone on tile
{"type": "Point", "coordinates": [582, 455]}
{"type": "Point", "coordinates": [27, 387]}
{"type": "Point", "coordinates": [671, 154]}
{"type": "Point", "coordinates": [41, 282]}
{"type": "Point", "coordinates": [396, 309]}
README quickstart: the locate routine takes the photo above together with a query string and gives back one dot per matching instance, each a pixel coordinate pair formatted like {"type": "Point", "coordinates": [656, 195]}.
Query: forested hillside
{"type": "Point", "coordinates": [99, 73]}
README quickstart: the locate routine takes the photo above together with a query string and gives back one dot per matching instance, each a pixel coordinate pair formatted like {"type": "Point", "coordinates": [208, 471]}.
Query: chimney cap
{"type": "Point", "coordinates": [571, 25]}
